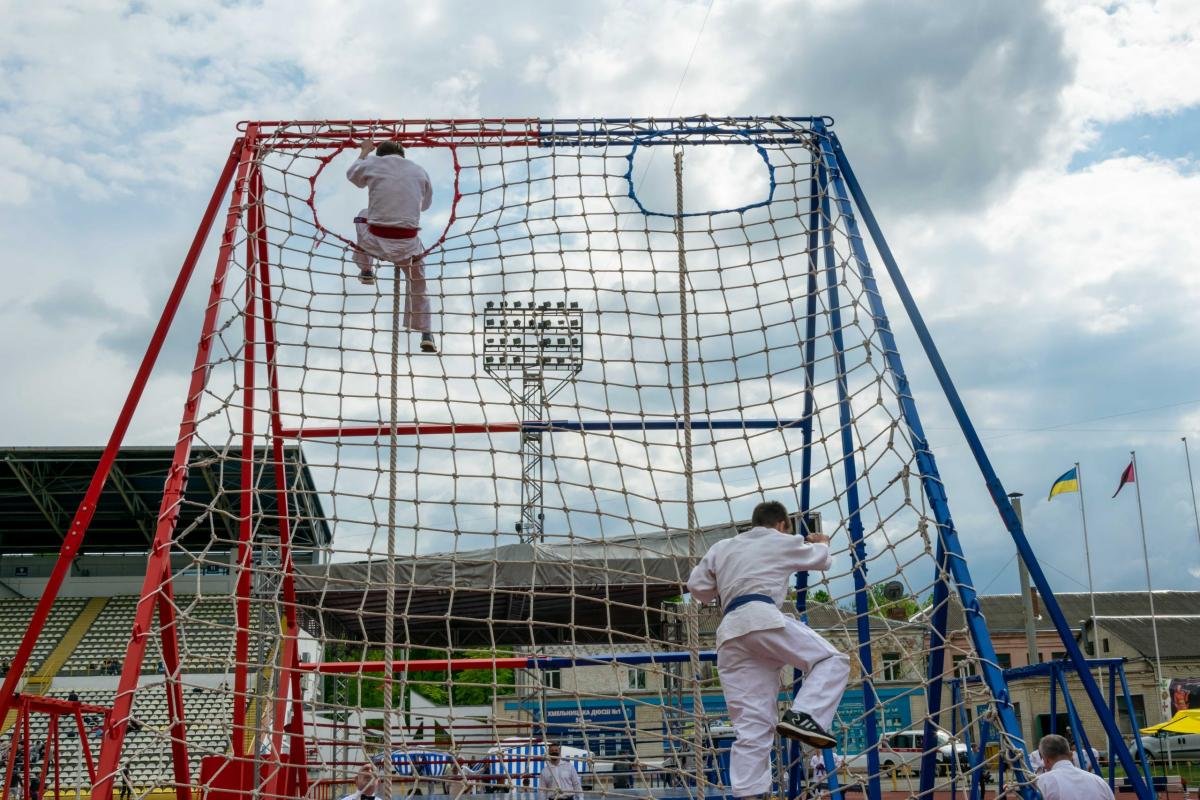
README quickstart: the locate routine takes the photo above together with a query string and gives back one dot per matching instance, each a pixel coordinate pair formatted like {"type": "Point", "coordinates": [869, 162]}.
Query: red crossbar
{"type": "Point", "coordinates": [418, 665]}
{"type": "Point", "coordinates": [55, 705]}
{"type": "Point", "coordinates": [414, 429]}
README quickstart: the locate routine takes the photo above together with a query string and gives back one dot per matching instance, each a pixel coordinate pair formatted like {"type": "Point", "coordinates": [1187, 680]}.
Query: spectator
{"type": "Point", "coordinates": [1062, 780]}
{"type": "Point", "coordinates": [126, 781]}
{"type": "Point", "coordinates": [369, 785]}
{"type": "Point", "coordinates": [559, 780]}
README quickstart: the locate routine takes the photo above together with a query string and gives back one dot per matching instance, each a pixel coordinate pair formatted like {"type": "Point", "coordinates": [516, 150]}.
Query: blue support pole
{"type": "Point", "coordinates": [1078, 732]}
{"type": "Point", "coordinates": [858, 547]}
{"type": "Point", "coordinates": [991, 674]}
{"type": "Point", "coordinates": [1137, 738]}
{"type": "Point", "coordinates": [796, 771]}
{"type": "Point", "coordinates": [841, 176]}
{"type": "Point", "coordinates": [937, 665]}
{"type": "Point", "coordinates": [985, 734]}
{"type": "Point", "coordinates": [1053, 704]}
{"type": "Point", "coordinates": [1112, 703]}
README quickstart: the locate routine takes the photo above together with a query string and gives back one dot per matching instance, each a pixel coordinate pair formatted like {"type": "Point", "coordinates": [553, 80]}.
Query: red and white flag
{"type": "Point", "coordinates": [1126, 477]}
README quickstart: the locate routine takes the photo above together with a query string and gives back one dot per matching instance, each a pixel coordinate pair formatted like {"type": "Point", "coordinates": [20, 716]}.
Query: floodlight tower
{"type": "Point", "coordinates": [533, 351]}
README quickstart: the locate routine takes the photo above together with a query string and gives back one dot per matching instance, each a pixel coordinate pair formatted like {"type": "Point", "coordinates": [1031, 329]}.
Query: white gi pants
{"type": "Point", "coordinates": [749, 668]}
{"type": "Point", "coordinates": [406, 255]}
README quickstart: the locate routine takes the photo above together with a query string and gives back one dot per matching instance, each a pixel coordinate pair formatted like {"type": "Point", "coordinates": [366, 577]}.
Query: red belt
{"type": "Point", "coordinates": [387, 232]}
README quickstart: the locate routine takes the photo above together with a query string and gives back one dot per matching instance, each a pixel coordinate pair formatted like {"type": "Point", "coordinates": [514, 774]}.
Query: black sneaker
{"type": "Point", "coordinates": [428, 345]}
{"type": "Point", "coordinates": [799, 725]}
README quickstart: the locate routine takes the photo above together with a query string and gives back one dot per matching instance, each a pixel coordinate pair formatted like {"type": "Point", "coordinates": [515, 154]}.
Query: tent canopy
{"type": "Point", "coordinates": [1182, 722]}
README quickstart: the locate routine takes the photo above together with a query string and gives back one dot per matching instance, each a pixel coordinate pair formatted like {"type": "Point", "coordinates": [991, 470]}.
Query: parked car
{"type": "Point", "coordinates": [905, 749]}
{"type": "Point", "coordinates": [1185, 746]}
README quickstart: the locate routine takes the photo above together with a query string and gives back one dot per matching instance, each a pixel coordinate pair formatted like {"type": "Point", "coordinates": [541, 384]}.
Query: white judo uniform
{"type": "Point", "coordinates": [756, 641]}
{"type": "Point", "coordinates": [398, 190]}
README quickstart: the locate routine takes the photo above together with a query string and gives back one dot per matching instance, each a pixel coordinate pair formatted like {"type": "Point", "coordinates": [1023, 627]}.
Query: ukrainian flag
{"type": "Point", "coordinates": [1067, 482]}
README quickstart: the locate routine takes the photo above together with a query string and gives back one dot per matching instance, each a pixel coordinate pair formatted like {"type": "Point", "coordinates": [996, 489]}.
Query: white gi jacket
{"type": "Point", "coordinates": [759, 561]}
{"type": "Point", "coordinates": [398, 190]}
{"type": "Point", "coordinates": [1065, 781]}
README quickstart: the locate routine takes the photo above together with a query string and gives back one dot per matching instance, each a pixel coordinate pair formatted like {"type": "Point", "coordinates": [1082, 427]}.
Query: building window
{"type": "Point", "coordinates": [1058, 655]}
{"type": "Point", "coordinates": [1139, 709]}
{"type": "Point", "coordinates": [958, 665]}
{"type": "Point", "coordinates": [637, 678]}
{"type": "Point", "coordinates": [1004, 660]}
{"type": "Point", "coordinates": [552, 679]}
{"type": "Point", "coordinates": [1106, 644]}
{"type": "Point", "coordinates": [891, 666]}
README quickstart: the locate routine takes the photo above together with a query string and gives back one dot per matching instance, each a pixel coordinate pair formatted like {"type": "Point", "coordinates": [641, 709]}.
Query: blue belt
{"type": "Point", "coordinates": [743, 599]}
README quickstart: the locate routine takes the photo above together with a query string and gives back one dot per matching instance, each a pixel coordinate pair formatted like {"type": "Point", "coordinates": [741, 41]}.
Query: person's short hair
{"type": "Point", "coordinates": [1054, 747]}
{"type": "Point", "coordinates": [389, 149]}
{"type": "Point", "coordinates": [768, 514]}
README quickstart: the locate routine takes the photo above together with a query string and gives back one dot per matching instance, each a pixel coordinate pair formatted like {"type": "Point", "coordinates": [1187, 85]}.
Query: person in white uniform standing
{"type": "Point", "coordinates": [1062, 780]}
{"type": "Point", "coordinates": [558, 780]}
{"type": "Point", "coordinates": [749, 574]}
{"type": "Point", "coordinates": [398, 190]}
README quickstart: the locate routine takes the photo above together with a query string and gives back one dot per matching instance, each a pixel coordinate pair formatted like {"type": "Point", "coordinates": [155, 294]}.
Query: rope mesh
{"type": "Point", "coordinates": [389, 452]}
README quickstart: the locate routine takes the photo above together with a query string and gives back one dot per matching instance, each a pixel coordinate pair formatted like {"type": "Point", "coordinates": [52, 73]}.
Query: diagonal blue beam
{"type": "Point", "coordinates": [840, 176]}
{"type": "Point", "coordinates": [975, 622]}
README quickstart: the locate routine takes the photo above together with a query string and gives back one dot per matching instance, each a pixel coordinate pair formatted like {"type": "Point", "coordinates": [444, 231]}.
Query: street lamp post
{"type": "Point", "coordinates": [1026, 591]}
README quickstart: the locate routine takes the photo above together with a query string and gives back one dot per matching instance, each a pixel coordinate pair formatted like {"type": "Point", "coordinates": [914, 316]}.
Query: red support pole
{"type": "Point", "coordinates": [246, 512]}
{"type": "Point", "coordinates": [87, 507]}
{"type": "Point", "coordinates": [172, 684]}
{"type": "Point", "coordinates": [298, 752]}
{"type": "Point", "coordinates": [158, 567]}
{"type": "Point", "coordinates": [18, 726]}
{"type": "Point", "coordinates": [87, 748]}
{"type": "Point", "coordinates": [54, 738]}
{"type": "Point", "coordinates": [27, 766]}
{"type": "Point", "coordinates": [291, 659]}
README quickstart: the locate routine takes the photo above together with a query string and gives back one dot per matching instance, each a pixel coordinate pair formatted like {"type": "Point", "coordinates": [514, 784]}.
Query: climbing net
{"type": "Point", "coordinates": [645, 328]}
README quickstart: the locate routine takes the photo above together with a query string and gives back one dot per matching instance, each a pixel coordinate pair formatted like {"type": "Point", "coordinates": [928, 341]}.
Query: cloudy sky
{"type": "Point", "coordinates": [1033, 165]}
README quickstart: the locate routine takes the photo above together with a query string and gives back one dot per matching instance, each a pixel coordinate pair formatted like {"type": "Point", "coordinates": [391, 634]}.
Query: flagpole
{"type": "Point", "coordinates": [1137, 486]}
{"type": "Point", "coordinates": [1191, 483]}
{"type": "Point", "coordinates": [1087, 556]}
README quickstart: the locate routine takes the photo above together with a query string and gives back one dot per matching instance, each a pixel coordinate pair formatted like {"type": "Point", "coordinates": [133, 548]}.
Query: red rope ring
{"type": "Point", "coordinates": [325, 160]}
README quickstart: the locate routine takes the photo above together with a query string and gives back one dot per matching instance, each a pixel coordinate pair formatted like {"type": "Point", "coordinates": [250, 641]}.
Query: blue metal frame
{"type": "Point", "coordinates": [1056, 673]}
{"type": "Point", "coordinates": [841, 178]}
{"type": "Point", "coordinates": [695, 423]}
{"type": "Point", "coordinates": [832, 150]}
{"type": "Point", "coordinates": [862, 607]}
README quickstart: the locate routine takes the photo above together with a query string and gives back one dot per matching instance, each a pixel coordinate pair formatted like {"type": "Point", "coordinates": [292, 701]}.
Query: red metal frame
{"type": "Point", "coordinates": [240, 179]}
{"type": "Point", "coordinates": [158, 570]}
{"type": "Point", "coordinates": [28, 705]}
{"type": "Point", "coordinates": [87, 507]}
{"type": "Point", "coordinates": [415, 429]}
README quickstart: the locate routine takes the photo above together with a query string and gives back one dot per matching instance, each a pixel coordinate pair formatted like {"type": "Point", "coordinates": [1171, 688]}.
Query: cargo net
{"type": "Point", "coordinates": [510, 522]}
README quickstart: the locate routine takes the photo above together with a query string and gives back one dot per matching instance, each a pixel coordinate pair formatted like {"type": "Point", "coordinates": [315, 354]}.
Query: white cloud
{"type": "Point", "coordinates": [961, 119]}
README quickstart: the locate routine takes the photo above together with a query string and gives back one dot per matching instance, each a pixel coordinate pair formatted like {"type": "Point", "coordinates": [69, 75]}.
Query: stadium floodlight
{"type": "Point", "coordinates": [533, 350]}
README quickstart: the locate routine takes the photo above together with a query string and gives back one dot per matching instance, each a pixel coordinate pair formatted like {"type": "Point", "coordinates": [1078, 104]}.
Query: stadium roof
{"type": "Point", "coordinates": [518, 594]}
{"type": "Point", "coordinates": [41, 487]}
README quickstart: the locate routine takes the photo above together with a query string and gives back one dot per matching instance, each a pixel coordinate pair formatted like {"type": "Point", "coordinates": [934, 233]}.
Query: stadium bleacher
{"type": "Point", "coordinates": [148, 747]}
{"type": "Point", "coordinates": [206, 637]}
{"type": "Point", "coordinates": [14, 619]}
